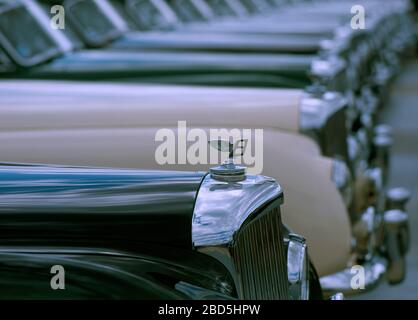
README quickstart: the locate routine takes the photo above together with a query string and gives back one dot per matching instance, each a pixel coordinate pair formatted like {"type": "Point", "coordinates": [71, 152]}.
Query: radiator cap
{"type": "Point", "coordinates": [228, 171]}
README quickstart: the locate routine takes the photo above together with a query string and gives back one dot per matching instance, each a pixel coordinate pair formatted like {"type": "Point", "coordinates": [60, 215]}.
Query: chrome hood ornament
{"type": "Point", "coordinates": [229, 171]}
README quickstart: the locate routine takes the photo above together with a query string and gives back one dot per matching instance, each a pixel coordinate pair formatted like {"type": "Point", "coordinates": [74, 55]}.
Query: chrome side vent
{"type": "Point", "coordinates": [259, 256]}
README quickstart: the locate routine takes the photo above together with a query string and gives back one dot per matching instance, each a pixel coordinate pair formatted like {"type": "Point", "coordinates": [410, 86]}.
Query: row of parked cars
{"type": "Point", "coordinates": [81, 112]}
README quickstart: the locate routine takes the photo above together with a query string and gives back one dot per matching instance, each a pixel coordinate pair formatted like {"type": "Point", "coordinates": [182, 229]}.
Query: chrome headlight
{"type": "Point", "coordinates": [341, 176]}
{"type": "Point", "coordinates": [298, 267]}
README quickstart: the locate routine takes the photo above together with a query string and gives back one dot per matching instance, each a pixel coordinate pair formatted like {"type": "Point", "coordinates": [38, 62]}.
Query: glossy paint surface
{"type": "Point", "coordinates": [118, 234]}
{"type": "Point", "coordinates": [96, 206]}
{"type": "Point", "coordinates": [185, 41]}
{"type": "Point", "coordinates": [102, 273]}
{"type": "Point", "coordinates": [187, 68]}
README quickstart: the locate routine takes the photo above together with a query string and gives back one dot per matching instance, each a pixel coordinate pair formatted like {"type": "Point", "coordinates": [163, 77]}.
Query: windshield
{"type": "Point", "coordinates": [23, 37]}
{"type": "Point", "coordinates": [250, 6]}
{"type": "Point", "coordinates": [92, 24]}
{"type": "Point", "coordinates": [220, 7]}
{"type": "Point", "coordinates": [147, 15]}
{"type": "Point", "coordinates": [68, 31]}
{"type": "Point", "coordinates": [185, 10]}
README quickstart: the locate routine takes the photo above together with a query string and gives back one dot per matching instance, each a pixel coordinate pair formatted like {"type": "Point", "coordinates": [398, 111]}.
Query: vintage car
{"type": "Point", "coordinates": [273, 70]}
{"type": "Point", "coordinates": [166, 67]}
{"type": "Point", "coordinates": [389, 26]}
{"type": "Point", "coordinates": [34, 58]}
{"type": "Point", "coordinates": [323, 115]}
{"type": "Point", "coordinates": [372, 54]}
{"type": "Point", "coordinates": [78, 124]}
{"type": "Point", "coordinates": [331, 72]}
{"type": "Point", "coordinates": [147, 235]}
{"type": "Point", "coordinates": [97, 24]}
{"type": "Point", "coordinates": [365, 52]}
{"type": "Point", "coordinates": [117, 33]}
{"type": "Point", "coordinates": [310, 126]}
{"type": "Point", "coordinates": [255, 70]}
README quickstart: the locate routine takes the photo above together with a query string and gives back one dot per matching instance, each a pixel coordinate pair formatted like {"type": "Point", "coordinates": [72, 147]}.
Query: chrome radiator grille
{"type": "Point", "coordinates": [259, 257]}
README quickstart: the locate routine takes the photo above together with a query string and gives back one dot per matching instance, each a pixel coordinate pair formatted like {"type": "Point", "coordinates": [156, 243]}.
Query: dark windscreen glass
{"type": "Point", "coordinates": [250, 6]}
{"type": "Point", "coordinates": [148, 16]}
{"type": "Point", "coordinates": [185, 10]}
{"type": "Point", "coordinates": [91, 20]}
{"type": "Point", "coordinates": [24, 33]}
{"type": "Point", "coordinates": [221, 8]}
{"type": "Point", "coordinates": [122, 10]}
{"type": "Point", "coordinates": [68, 30]}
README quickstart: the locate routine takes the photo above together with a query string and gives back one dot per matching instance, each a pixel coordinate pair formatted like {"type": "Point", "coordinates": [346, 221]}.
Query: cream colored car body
{"type": "Point", "coordinates": [115, 126]}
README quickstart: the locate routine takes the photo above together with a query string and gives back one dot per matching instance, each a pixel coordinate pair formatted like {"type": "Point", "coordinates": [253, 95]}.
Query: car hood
{"type": "Point", "coordinates": [100, 207]}
{"type": "Point", "coordinates": [217, 42]}
{"type": "Point", "coordinates": [167, 67]}
{"type": "Point", "coordinates": [67, 105]}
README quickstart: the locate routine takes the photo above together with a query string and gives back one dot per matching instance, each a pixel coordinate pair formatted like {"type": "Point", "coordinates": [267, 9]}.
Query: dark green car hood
{"type": "Point", "coordinates": [213, 42]}
{"type": "Point", "coordinates": [97, 273]}
{"type": "Point", "coordinates": [118, 234]}
{"type": "Point", "coordinates": [96, 207]}
{"type": "Point", "coordinates": [186, 68]}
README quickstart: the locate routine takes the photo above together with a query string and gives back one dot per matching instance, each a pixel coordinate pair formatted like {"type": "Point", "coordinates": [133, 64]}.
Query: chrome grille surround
{"type": "Point", "coordinates": [239, 224]}
{"type": "Point", "coordinates": [259, 256]}
{"type": "Point", "coordinates": [323, 118]}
